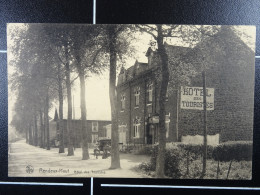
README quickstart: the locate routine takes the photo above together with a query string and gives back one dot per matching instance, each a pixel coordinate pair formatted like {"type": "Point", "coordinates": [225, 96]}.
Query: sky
{"type": "Point", "coordinates": [97, 87]}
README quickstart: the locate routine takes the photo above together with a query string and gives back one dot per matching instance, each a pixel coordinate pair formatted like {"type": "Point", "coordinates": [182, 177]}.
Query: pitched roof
{"type": "Point", "coordinates": [222, 46]}
{"type": "Point", "coordinates": [139, 67]}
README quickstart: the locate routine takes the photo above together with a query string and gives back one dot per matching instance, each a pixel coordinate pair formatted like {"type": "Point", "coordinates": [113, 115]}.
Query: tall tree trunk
{"type": "Point", "coordinates": [44, 125]}
{"type": "Point", "coordinates": [30, 135]}
{"type": "Point", "coordinates": [42, 130]}
{"type": "Point", "coordinates": [47, 129]}
{"type": "Point", "coordinates": [68, 86]}
{"type": "Point", "coordinates": [61, 129]}
{"type": "Point", "coordinates": [32, 129]}
{"type": "Point", "coordinates": [85, 153]}
{"type": "Point", "coordinates": [115, 159]}
{"type": "Point", "coordinates": [35, 129]}
{"type": "Point", "coordinates": [164, 77]}
{"type": "Point", "coordinates": [26, 135]}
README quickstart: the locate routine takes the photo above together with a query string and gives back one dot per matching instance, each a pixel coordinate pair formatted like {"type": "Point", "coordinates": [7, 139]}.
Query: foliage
{"type": "Point", "coordinates": [196, 150]}
{"type": "Point", "coordinates": [184, 161]}
{"type": "Point", "coordinates": [146, 150]}
{"type": "Point", "coordinates": [237, 151]}
{"type": "Point", "coordinates": [172, 167]}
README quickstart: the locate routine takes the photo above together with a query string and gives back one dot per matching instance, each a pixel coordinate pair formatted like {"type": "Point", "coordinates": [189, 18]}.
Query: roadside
{"type": "Point", "coordinates": [25, 160]}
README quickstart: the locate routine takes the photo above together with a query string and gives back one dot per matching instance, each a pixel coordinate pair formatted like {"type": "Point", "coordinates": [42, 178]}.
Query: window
{"type": "Point", "coordinates": [122, 101]}
{"type": "Point", "coordinates": [94, 138]}
{"type": "Point", "coordinates": [167, 124]}
{"type": "Point", "coordinates": [94, 126]}
{"type": "Point", "coordinates": [137, 96]}
{"type": "Point", "coordinates": [136, 131]}
{"type": "Point", "coordinates": [150, 92]}
{"type": "Point", "coordinates": [137, 127]}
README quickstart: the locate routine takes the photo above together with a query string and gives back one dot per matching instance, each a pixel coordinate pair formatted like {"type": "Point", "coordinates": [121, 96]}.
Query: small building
{"type": "Point", "coordinates": [95, 130]}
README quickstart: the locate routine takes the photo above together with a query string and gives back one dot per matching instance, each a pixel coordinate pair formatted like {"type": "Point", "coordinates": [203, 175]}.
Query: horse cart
{"type": "Point", "coordinates": [103, 147]}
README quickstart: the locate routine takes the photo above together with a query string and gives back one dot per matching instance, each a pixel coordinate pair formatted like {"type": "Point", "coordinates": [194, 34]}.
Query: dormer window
{"type": "Point", "coordinates": [137, 96]}
{"type": "Point", "coordinates": [122, 102]}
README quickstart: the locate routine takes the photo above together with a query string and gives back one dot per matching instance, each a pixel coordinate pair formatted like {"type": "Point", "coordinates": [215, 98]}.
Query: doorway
{"type": "Point", "coordinates": [151, 133]}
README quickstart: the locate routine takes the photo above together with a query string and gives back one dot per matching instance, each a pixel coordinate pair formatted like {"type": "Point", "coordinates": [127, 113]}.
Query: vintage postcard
{"type": "Point", "coordinates": [133, 101]}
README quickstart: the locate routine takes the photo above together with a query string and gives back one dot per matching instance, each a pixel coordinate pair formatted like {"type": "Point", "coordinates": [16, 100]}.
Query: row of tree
{"type": "Point", "coordinates": [47, 58]}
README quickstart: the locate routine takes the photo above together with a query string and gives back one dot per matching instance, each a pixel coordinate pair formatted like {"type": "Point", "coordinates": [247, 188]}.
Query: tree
{"type": "Point", "coordinates": [160, 32]}
{"type": "Point", "coordinates": [85, 50]}
{"type": "Point", "coordinates": [116, 43]}
{"type": "Point", "coordinates": [112, 37]}
{"type": "Point", "coordinates": [34, 71]}
{"type": "Point", "coordinates": [60, 119]}
{"type": "Point", "coordinates": [60, 42]}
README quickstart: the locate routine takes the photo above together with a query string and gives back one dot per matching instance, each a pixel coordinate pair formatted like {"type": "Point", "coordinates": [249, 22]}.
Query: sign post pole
{"type": "Point", "coordinates": [204, 125]}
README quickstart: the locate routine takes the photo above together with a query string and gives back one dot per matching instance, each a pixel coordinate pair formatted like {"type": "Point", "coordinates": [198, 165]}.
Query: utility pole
{"type": "Point", "coordinates": [177, 115]}
{"type": "Point", "coordinates": [204, 125]}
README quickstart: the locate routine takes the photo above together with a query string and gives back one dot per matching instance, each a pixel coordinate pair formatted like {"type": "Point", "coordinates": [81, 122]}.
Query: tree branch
{"type": "Point", "coordinates": [74, 79]}
{"type": "Point", "coordinates": [146, 30]}
{"type": "Point", "coordinates": [203, 32]}
{"type": "Point", "coordinates": [151, 28]}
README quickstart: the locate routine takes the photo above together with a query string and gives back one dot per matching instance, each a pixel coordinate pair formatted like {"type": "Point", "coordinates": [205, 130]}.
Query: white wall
{"type": "Point", "coordinates": [198, 139]}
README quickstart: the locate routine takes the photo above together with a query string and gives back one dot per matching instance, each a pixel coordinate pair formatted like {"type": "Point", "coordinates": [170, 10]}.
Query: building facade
{"type": "Point", "coordinates": [229, 71]}
{"type": "Point", "coordinates": [138, 104]}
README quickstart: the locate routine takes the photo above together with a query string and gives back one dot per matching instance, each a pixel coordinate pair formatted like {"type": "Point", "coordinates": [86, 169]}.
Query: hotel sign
{"type": "Point", "coordinates": [192, 98]}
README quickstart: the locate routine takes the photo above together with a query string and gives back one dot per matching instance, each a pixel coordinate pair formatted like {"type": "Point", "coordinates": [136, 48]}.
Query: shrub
{"type": "Point", "coordinates": [196, 151]}
{"type": "Point", "coordinates": [173, 158]}
{"type": "Point", "coordinates": [146, 167]}
{"type": "Point", "coordinates": [146, 150]}
{"type": "Point", "coordinates": [184, 161]}
{"type": "Point", "coordinates": [238, 151]}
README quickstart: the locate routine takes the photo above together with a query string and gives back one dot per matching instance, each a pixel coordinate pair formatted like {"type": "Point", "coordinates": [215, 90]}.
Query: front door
{"type": "Point", "coordinates": [151, 133]}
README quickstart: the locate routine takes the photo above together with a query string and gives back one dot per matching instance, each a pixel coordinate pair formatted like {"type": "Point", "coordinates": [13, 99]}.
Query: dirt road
{"type": "Point", "coordinates": [30, 161]}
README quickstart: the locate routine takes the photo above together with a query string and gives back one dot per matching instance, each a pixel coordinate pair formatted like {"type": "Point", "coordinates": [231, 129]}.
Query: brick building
{"type": "Point", "coordinates": [229, 66]}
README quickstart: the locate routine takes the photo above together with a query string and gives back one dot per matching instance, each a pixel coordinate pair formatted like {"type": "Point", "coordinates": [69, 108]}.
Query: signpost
{"type": "Point", "coordinates": [192, 98]}
{"type": "Point", "coordinates": [199, 98]}
{"type": "Point", "coordinates": [205, 95]}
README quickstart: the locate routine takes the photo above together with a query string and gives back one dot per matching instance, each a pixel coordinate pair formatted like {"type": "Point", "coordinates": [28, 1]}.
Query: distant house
{"type": "Point", "coordinates": [230, 71]}
{"type": "Point", "coordinates": [95, 129]}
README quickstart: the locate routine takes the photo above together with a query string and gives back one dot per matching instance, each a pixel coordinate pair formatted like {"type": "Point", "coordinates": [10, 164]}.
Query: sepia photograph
{"type": "Point", "coordinates": [130, 100]}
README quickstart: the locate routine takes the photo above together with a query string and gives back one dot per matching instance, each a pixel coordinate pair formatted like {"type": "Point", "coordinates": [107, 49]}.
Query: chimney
{"type": "Point", "coordinates": [122, 76]}
{"type": "Point", "coordinates": [149, 55]}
